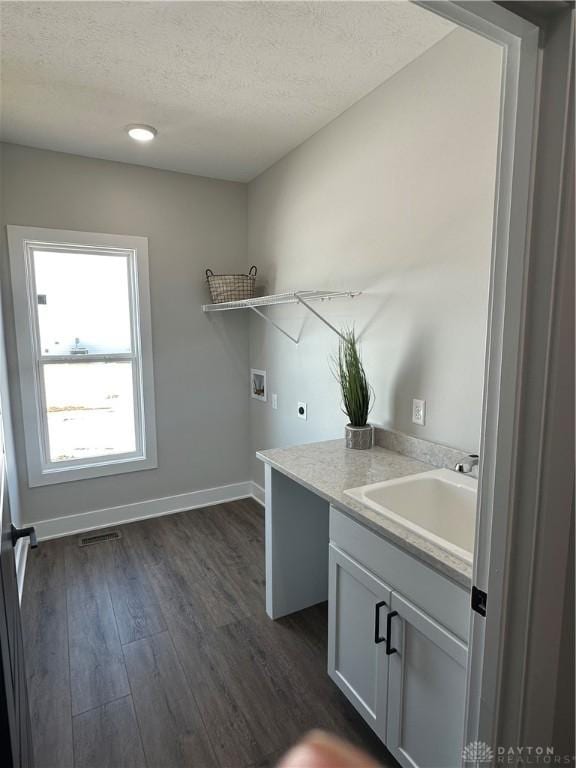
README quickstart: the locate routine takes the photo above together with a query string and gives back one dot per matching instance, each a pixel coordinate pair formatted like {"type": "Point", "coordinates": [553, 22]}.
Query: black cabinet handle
{"type": "Point", "coordinates": [21, 533]}
{"type": "Point", "coordinates": [377, 638]}
{"type": "Point", "coordinates": [389, 649]}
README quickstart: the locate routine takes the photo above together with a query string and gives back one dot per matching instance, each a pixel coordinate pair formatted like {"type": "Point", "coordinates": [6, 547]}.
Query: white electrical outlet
{"type": "Point", "coordinates": [302, 411]}
{"type": "Point", "coordinates": [274, 401]}
{"type": "Point", "coordinates": [419, 412]}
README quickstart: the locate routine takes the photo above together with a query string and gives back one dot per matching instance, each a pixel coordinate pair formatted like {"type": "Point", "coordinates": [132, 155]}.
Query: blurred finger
{"type": "Point", "coordinates": [322, 750]}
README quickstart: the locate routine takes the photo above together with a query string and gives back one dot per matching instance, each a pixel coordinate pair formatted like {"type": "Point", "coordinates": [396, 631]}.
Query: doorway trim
{"type": "Point", "coordinates": [518, 39]}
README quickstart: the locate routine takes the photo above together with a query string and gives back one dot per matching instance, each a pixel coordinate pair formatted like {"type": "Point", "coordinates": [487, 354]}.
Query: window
{"type": "Point", "coordinates": [82, 312]}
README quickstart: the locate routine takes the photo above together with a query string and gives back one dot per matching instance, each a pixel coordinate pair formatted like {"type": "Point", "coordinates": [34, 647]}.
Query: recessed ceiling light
{"type": "Point", "coordinates": [140, 132]}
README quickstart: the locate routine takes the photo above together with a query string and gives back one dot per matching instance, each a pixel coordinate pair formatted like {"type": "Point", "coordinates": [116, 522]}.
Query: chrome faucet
{"type": "Point", "coordinates": [467, 465]}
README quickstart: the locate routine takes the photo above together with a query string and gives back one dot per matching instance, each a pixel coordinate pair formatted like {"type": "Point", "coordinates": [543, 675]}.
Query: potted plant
{"type": "Point", "coordinates": [357, 394]}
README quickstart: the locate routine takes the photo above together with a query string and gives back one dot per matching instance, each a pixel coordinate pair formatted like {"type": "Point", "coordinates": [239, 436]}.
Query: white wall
{"type": "Point", "coordinates": [395, 198]}
{"type": "Point", "coordinates": [200, 366]}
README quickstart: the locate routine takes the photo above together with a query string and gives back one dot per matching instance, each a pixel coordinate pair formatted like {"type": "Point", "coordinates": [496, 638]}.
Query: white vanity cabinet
{"type": "Point", "coordinates": [357, 662]}
{"type": "Point", "coordinates": [397, 645]}
{"type": "Point", "coordinates": [426, 690]}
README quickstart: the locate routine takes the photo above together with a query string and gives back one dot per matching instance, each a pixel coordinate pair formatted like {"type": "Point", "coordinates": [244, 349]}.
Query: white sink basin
{"type": "Point", "coordinates": [439, 505]}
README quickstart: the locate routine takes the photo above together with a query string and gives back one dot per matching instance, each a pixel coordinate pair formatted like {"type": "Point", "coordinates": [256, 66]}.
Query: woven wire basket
{"type": "Point", "coordinates": [231, 287]}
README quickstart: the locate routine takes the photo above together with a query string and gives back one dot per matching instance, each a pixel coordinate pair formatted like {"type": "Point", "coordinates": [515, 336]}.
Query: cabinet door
{"type": "Point", "coordinates": [357, 662]}
{"type": "Point", "coordinates": [427, 690]}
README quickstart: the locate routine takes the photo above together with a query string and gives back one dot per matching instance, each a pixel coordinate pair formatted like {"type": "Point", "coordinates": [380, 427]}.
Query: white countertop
{"type": "Point", "coordinates": [329, 468]}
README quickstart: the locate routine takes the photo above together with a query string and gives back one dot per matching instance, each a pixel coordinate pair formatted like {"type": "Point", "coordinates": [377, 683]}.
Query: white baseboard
{"type": "Point", "coordinates": [20, 556]}
{"type": "Point", "coordinates": [102, 518]}
{"type": "Point", "coordinates": [258, 493]}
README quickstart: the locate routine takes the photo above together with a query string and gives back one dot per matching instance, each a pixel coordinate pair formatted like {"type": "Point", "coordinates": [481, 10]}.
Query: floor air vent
{"type": "Point", "coordinates": [98, 538]}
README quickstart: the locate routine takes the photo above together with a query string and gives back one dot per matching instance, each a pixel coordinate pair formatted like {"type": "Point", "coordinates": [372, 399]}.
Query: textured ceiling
{"type": "Point", "coordinates": [231, 86]}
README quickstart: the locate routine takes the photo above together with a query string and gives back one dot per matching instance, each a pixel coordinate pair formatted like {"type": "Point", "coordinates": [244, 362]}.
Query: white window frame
{"type": "Point", "coordinates": [22, 241]}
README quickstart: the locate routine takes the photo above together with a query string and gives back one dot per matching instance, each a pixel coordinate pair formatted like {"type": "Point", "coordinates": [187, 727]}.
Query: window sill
{"type": "Point", "coordinates": [89, 471]}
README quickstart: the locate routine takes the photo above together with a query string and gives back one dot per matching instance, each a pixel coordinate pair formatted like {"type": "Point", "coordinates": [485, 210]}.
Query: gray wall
{"type": "Point", "coordinates": [200, 365]}
{"type": "Point", "coordinates": [395, 198]}
{"type": "Point", "coordinates": [12, 480]}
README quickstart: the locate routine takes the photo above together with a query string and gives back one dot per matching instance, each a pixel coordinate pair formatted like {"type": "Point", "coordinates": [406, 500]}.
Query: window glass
{"type": "Point", "coordinates": [89, 409]}
{"type": "Point", "coordinates": [83, 303]}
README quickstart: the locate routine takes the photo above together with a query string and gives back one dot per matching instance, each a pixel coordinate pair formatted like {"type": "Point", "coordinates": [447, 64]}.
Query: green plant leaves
{"type": "Point", "coordinates": [357, 394]}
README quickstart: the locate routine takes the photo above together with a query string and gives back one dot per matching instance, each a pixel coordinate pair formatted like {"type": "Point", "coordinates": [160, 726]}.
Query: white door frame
{"type": "Point", "coordinates": [519, 41]}
{"type": "Point", "coordinates": [536, 611]}
{"type": "Point", "coordinates": [509, 395]}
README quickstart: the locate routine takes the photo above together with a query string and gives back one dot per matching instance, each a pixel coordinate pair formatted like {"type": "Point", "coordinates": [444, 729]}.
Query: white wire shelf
{"type": "Point", "coordinates": [294, 297]}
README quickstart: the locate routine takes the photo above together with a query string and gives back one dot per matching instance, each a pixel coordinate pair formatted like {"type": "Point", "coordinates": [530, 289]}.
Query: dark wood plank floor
{"type": "Point", "coordinates": [155, 650]}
